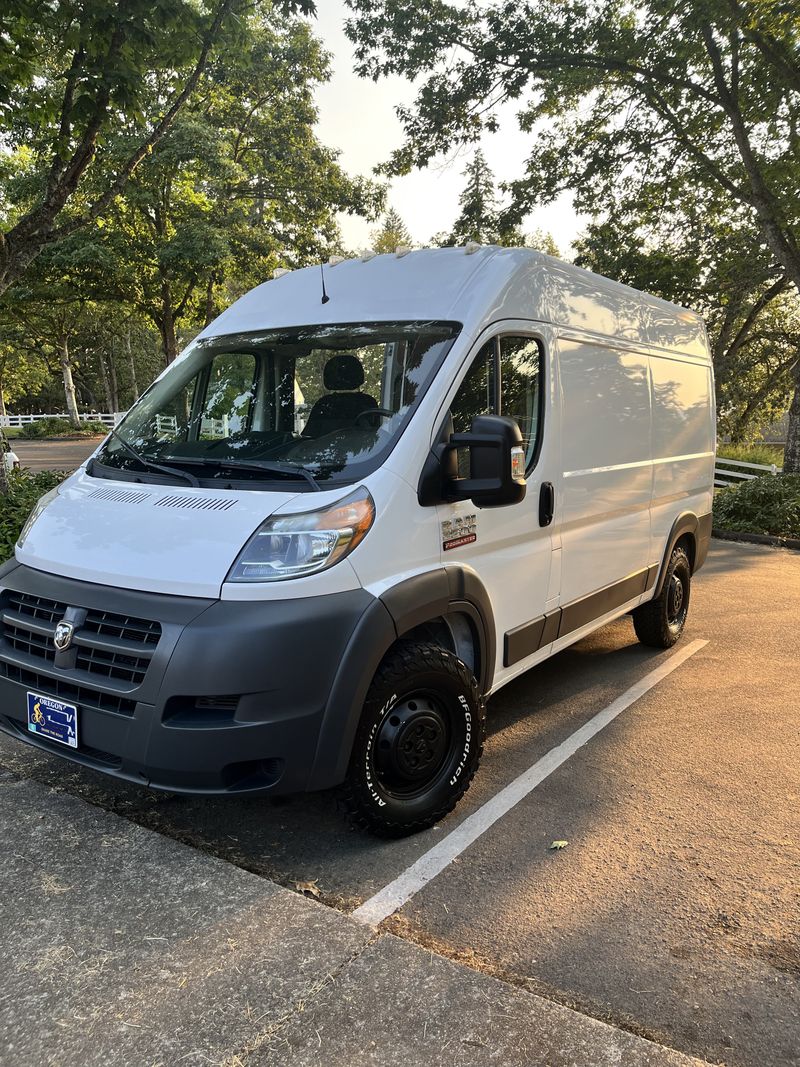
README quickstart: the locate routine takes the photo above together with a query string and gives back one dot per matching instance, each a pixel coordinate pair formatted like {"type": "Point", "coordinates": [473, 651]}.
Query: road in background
{"type": "Point", "coordinates": [673, 911]}
{"type": "Point", "coordinates": [53, 455]}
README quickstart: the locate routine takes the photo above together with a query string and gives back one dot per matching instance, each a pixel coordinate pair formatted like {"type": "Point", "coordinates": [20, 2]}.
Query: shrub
{"type": "Point", "coordinates": [32, 429]}
{"type": "Point", "coordinates": [26, 488]}
{"type": "Point", "coordinates": [92, 429]}
{"type": "Point", "coordinates": [52, 427]}
{"type": "Point", "coordinates": [768, 505]}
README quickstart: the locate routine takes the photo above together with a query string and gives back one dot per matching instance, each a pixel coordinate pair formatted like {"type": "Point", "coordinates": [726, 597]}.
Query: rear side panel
{"type": "Point", "coordinates": [683, 444]}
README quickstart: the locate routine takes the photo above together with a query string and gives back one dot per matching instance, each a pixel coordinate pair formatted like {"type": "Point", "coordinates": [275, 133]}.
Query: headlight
{"type": "Point", "coordinates": [291, 546]}
{"type": "Point", "coordinates": [38, 508]}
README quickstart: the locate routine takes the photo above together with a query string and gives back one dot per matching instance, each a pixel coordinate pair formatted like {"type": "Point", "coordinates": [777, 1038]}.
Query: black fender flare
{"type": "Point", "coordinates": [410, 603]}
{"type": "Point", "coordinates": [446, 591]}
{"type": "Point", "coordinates": [699, 529]}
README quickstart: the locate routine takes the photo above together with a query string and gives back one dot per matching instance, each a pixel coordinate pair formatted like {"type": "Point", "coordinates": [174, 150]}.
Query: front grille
{"type": "Point", "coordinates": [66, 691]}
{"type": "Point", "coordinates": [104, 644]}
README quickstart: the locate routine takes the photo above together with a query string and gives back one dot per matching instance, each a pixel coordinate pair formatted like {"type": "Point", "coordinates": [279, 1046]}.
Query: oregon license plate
{"type": "Point", "coordinates": [53, 719]}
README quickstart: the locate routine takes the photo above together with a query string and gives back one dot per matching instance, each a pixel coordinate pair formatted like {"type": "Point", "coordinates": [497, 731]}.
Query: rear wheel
{"type": "Point", "coordinates": [418, 743]}
{"type": "Point", "coordinates": [660, 622]}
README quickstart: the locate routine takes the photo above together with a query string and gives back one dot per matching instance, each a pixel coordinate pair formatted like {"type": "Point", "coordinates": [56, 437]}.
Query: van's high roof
{"type": "Point", "coordinates": [472, 286]}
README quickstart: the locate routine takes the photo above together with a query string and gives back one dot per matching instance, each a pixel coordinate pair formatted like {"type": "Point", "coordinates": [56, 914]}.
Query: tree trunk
{"type": "Point", "coordinates": [69, 384]}
{"type": "Point", "coordinates": [169, 341]}
{"type": "Point", "coordinates": [4, 481]}
{"type": "Point", "coordinates": [166, 323]}
{"type": "Point", "coordinates": [105, 379]}
{"type": "Point", "coordinates": [134, 384]}
{"type": "Point", "coordinates": [210, 299]}
{"type": "Point", "coordinates": [791, 456]}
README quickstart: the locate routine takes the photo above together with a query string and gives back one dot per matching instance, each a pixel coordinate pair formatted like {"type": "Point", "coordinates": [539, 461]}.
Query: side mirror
{"type": "Point", "coordinates": [496, 462]}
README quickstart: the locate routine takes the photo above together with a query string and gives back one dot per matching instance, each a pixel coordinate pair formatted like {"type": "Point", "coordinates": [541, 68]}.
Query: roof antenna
{"type": "Point", "coordinates": [325, 297]}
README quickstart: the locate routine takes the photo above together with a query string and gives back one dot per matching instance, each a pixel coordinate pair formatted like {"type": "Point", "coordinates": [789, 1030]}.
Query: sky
{"type": "Point", "coordinates": [358, 117]}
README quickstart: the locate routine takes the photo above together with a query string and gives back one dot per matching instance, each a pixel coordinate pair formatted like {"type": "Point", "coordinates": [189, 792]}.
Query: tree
{"type": "Point", "coordinates": [240, 178]}
{"type": "Point", "coordinates": [392, 233]}
{"type": "Point", "coordinates": [481, 219]}
{"type": "Point", "coordinates": [694, 96]}
{"type": "Point", "coordinates": [542, 241]}
{"type": "Point", "coordinates": [19, 372]}
{"type": "Point", "coordinates": [75, 71]}
{"type": "Point", "coordinates": [478, 203]}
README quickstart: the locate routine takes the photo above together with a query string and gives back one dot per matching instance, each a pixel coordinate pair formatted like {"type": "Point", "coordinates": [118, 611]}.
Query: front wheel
{"type": "Point", "coordinates": [660, 622]}
{"type": "Point", "coordinates": [418, 743]}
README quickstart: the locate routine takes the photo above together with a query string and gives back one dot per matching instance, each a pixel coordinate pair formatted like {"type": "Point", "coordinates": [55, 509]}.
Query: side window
{"type": "Point", "coordinates": [520, 380]}
{"type": "Point", "coordinates": [520, 364]}
{"type": "Point", "coordinates": [475, 396]}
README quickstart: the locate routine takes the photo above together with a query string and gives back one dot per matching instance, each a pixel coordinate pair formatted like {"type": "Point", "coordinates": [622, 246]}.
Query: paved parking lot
{"type": "Point", "coordinates": [53, 455]}
{"type": "Point", "coordinates": [674, 909]}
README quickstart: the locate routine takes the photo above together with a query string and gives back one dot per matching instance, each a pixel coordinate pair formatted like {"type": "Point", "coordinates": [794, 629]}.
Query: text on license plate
{"type": "Point", "coordinates": [53, 719]}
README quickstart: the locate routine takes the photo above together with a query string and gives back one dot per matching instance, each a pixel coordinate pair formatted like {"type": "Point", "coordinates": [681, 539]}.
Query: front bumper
{"type": "Point", "coordinates": [230, 697]}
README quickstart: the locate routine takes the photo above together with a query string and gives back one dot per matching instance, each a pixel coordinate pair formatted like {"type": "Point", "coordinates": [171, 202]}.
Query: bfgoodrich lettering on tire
{"type": "Point", "coordinates": [418, 743]}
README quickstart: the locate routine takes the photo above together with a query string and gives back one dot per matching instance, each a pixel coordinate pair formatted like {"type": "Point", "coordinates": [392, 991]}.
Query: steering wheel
{"type": "Point", "coordinates": [383, 413]}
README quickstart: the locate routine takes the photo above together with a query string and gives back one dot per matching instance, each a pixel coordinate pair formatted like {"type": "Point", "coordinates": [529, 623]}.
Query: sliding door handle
{"type": "Point", "coordinates": [547, 503]}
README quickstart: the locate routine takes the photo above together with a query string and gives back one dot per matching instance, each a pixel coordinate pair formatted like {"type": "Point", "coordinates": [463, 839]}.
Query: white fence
{"type": "Point", "coordinates": [732, 471]}
{"type": "Point", "coordinates": [107, 419]}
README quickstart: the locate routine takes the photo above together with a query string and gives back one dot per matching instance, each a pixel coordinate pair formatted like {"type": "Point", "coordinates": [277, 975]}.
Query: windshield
{"type": "Point", "coordinates": [311, 403]}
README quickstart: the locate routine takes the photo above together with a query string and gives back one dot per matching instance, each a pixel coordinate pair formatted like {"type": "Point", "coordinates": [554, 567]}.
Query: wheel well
{"type": "Point", "coordinates": [688, 542]}
{"type": "Point", "coordinates": [454, 632]}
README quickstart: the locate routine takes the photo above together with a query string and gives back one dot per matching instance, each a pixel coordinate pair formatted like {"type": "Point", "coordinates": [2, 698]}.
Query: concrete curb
{"type": "Point", "coordinates": [123, 946]}
{"type": "Point", "coordinates": [757, 539]}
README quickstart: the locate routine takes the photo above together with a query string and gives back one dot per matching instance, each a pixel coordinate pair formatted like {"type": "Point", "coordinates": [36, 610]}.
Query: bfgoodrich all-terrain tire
{"type": "Point", "coordinates": [418, 743]}
{"type": "Point", "coordinates": [660, 622]}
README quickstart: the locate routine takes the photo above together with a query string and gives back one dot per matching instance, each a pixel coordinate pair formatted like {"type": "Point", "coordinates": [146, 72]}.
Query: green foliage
{"type": "Point", "coordinates": [480, 218]}
{"type": "Point", "coordinates": [47, 428]}
{"type": "Point", "coordinates": [656, 106]}
{"type": "Point", "coordinates": [768, 505]}
{"type": "Point", "coordinates": [237, 184]}
{"type": "Point", "coordinates": [391, 234]}
{"type": "Point", "coordinates": [543, 241]}
{"type": "Point", "coordinates": [25, 488]}
{"type": "Point", "coordinates": [55, 427]}
{"type": "Point", "coordinates": [756, 453]}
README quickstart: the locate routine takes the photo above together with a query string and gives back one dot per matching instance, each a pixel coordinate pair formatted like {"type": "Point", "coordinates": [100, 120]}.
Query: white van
{"type": "Point", "coordinates": [366, 497]}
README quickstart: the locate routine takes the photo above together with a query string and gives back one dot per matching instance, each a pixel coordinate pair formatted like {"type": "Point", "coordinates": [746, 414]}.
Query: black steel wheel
{"type": "Point", "coordinates": [660, 622]}
{"type": "Point", "coordinates": [418, 743]}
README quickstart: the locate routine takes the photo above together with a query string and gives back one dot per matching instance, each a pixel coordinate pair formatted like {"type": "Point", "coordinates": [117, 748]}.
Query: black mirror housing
{"type": "Point", "coordinates": [497, 463]}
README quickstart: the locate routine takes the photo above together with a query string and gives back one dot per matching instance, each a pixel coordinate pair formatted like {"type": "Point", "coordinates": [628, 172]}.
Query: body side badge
{"type": "Point", "coordinates": [459, 531]}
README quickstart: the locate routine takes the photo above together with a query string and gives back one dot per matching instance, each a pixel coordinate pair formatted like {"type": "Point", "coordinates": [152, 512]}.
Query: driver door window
{"type": "Point", "coordinates": [503, 379]}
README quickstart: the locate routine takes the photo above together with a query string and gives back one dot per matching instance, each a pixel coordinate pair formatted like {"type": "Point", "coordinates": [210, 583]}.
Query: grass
{"type": "Point", "coordinates": [758, 453]}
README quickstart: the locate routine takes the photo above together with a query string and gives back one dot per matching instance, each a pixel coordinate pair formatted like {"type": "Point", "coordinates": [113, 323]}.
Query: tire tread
{"type": "Point", "coordinates": [405, 659]}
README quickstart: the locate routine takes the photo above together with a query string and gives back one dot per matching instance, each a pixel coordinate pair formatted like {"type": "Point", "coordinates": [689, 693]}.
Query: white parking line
{"type": "Point", "coordinates": [397, 893]}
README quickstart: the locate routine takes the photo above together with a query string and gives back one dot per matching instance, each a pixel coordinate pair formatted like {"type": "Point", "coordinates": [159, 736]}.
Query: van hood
{"type": "Point", "coordinates": [157, 538]}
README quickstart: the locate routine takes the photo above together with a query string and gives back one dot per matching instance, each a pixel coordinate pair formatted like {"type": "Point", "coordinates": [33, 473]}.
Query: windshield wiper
{"type": "Point", "coordinates": [289, 470]}
{"type": "Point", "coordinates": [149, 464]}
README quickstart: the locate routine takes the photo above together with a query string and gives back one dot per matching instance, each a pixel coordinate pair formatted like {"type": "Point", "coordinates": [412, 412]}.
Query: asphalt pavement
{"type": "Point", "coordinates": [671, 913]}
{"type": "Point", "coordinates": [54, 455]}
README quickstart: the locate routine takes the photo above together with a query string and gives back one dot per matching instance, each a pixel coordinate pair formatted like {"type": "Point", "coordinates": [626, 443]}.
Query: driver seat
{"type": "Point", "coordinates": [339, 409]}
